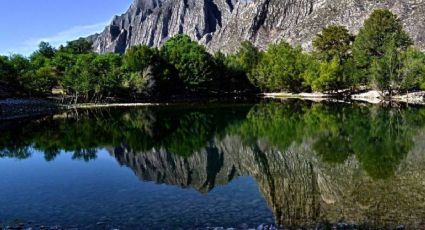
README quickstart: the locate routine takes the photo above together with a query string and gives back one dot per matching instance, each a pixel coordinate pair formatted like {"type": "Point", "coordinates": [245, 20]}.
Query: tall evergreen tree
{"type": "Point", "coordinates": [333, 49]}
{"type": "Point", "coordinates": [381, 35]}
{"type": "Point", "coordinates": [333, 41]}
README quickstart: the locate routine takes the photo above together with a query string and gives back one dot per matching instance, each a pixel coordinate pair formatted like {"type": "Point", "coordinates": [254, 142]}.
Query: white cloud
{"type": "Point", "coordinates": [61, 38]}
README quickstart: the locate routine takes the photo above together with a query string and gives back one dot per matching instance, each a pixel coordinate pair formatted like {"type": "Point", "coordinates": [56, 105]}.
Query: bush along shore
{"type": "Point", "coordinates": [379, 63]}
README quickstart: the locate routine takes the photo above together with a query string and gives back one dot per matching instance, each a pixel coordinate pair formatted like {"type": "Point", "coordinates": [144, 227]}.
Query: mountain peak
{"type": "Point", "coordinates": [223, 24]}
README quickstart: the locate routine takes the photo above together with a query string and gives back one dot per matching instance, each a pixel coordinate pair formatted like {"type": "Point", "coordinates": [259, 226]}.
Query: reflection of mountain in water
{"type": "Point", "coordinates": [314, 163]}
{"type": "Point", "coordinates": [300, 189]}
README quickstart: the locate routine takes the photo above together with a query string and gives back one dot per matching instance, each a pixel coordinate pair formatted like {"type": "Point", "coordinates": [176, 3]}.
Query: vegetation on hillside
{"type": "Point", "coordinates": [382, 57]}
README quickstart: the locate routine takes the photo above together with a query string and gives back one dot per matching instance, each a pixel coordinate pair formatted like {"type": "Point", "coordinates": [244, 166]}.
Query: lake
{"type": "Point", "coordinates": [198, 166]}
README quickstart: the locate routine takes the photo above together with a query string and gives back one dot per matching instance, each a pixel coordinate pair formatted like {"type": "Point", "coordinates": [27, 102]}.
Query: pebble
{"type": "Point", "coordinates": [267, 227]}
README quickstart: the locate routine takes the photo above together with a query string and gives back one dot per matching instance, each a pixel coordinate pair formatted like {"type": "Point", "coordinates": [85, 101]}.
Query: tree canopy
{"type": "Point", "coordinates": [377, 47]}
{"type": "Point", "coordinates": [333, 41]}
{"type": "Point", "coordinates": [195, 65]}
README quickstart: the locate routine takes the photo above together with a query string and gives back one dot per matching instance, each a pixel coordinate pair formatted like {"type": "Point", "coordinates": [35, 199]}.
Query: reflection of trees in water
{"type": "Point", "coordinates": [379, 137]}
{"type": "Point", "coordinates": [313, 162]}
{"type": "Point", "coordinates": [181, 131]}
{"type": "Point", "coordinates": [15, 152]}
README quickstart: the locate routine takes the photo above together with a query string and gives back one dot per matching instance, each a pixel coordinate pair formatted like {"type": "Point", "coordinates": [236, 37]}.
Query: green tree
{"type": "Point", "coordinates": [280, 69]}
{"type": "Point", "coordinates": [248, 56]}
{"type": "Point", "coordinates": [45, 49]}
{"type": "Point", "coordinates": [333, 41]}
{"type": "Point", "coordinates": [20, 63]}
{"type": "Point", "coordinates": [195, 66]}
{"type": "Point", "coordinates": [42, 80]}
{"type": "Point", "coordinates": [333, 50]}
{"type": "Point", "coordinates": [138, 58]}
{"type": "Point", "coordinates": [105, 76]}
{"type": "Point", "coordinates": [241, 65]}
{"type": "Point", "coordinates": [148, 74]}
{"type": "Point", "coordinates": [7, 71]}
{"type": "Point", "coordinates": [76, 80]}
{"type": "Point", "coordinates": [382, 33]}
{"type": "Point", "coordinates": [329, 76]}
{"type": "Point", "coordinates": [413, 70]}
{"type": "Point", "coordinates": [384, 70]}
{"type": "Point", "coordinates": [79, 46]}
{"type": "Point", "coordinates": [63, 60]}
{"type": "Point", "coordinates": [41, 76]}
{"type": "Point", "coordinates": [234, 78]}
{"type": "Point", "coordinates": [94, 77]}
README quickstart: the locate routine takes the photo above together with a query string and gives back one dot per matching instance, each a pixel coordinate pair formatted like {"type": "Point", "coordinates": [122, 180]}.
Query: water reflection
{"type": "Point", "coordinates": [314, 162]}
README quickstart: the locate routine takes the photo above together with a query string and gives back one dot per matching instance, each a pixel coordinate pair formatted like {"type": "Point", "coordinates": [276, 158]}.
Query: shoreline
{"type": "Point", "coordinates": [372, 97]}
{"type": "Point", "coordinates": [18, 108]}
{"type": "Point", "coordinates": [109, 105]}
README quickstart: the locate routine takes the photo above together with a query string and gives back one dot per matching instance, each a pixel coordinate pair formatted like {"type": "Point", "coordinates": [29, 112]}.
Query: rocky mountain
{"type": "Point", "coordinates": [223, 24]}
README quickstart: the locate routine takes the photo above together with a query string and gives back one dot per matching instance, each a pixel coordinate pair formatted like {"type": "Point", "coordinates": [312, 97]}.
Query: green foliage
{"type": "Point", "coordinates": [377, 43]}
{"type": "Point", "coordinates": [142, 72]}
{"type": "Point", "coordinates": [7, 71]}
{"type": "Point", "coordinates": [93, 76]}
{"type": "Point", "coordinates": [329, 76]}
{"type": "Point", "coordinates": [20, 64]}
{"type": "Point", "coordinates": [46, 50]}
{"type": "Point", "coordinates": [334, 69]}
{"type": "Point", "coordinates": [62, 61]}
{"type": "Point", "coordinates": [41, 81]}
{"type": "Point", "coordinates": [76, 79]}
{"type": "Point", "coordinates": [233, 77]}
{"type": "Point", "coordinates": [333, 41]}
{"type": "Point", "coordinates": [412, 72]}
{"type": "Point", "coordinates": [138, 58]}
{"type": "Point", "coordinates": [194, 64]}
{"type": "Point", "coordinates": [79, 46]}
{"type": "Point", "coordinates": [248, 56]}
{"type": "Point", "coordinates": [384, 70]}
{"type": "Point", "coordinates": [280, 68]}
{"type": "Point", "coordinates": [148, 74]}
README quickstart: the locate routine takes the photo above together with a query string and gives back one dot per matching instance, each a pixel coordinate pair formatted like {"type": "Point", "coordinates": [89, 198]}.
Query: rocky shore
{"type": "Point", "coordinates": [21, 108]}
{"type": "Point", "coordinates": [372, 96]}
{"type": "Point", "coordinates": [102, 225]}
{"type": "Point", "coordinates": [12, 108]}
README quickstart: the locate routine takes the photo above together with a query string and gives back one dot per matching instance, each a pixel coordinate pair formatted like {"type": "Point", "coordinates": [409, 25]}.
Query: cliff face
{"type": "Point", "coordinates": [223, 24]}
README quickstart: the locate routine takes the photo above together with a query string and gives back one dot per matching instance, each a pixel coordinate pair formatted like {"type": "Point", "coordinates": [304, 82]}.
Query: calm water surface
{"type": "Point", "coordinates": [291, 164]}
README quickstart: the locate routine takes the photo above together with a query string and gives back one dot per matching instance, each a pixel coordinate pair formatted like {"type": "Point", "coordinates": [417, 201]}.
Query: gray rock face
{"type": "Point", "coordinates": [223, 24]}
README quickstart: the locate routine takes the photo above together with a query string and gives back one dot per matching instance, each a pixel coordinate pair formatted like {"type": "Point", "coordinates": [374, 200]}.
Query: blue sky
{"type": "Point", "coordinates": [24, 23]}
